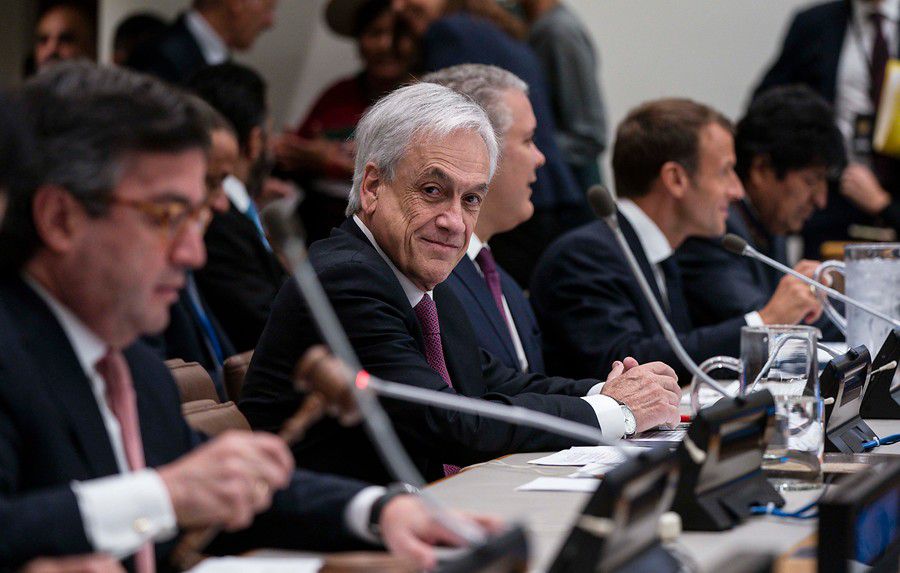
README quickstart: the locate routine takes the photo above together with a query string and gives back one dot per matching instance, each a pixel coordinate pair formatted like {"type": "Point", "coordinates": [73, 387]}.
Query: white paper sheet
{"type": "Point", "coordinates": [583, 455]}
{"type": "Point", "coordinates": [259, 565]}
{"type": "Point", "coordinates": [560, 484]}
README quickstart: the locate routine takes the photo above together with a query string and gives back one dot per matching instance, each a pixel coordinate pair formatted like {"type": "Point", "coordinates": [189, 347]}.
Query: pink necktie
{"type": "Point", "coordinates": [121, 400]}
{"type": "Point", "coordinates": [426, 312]}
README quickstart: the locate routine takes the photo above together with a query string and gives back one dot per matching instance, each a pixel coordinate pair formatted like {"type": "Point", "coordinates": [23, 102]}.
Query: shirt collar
{"type": "Point", "coordinates": [890, 9]}
{"type": "Point", "coordinates": [656, 246]}
{"type": "Point", "coordinates": [413, 293]}
{"type": "Point", "coordinates": [88, 347]}
{"type": "Point", "coordinates": [236, 192]}
{"type": "Point", "coordinates": [475, 246]}
{"type": "Point", "coordinates": [211, 45]}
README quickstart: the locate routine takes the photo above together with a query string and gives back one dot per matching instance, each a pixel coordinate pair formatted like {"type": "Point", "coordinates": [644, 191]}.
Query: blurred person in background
{"type": "Point", "coordinates": [204, 36]}
{"type": "Point", "coordinates": [569, 59]}
{"type": "Point", "coordinates": [318, 154]}
{"type": "Point", "coordinates": [133, 31]}
{"type": "Point", "coordinates": [63, 32]}
{"type": "Point", "coordinates": [840, 49]}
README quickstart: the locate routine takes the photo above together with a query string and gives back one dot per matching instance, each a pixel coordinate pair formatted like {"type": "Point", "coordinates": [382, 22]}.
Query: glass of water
{"type": "Point", "coordinates": [782, 359]}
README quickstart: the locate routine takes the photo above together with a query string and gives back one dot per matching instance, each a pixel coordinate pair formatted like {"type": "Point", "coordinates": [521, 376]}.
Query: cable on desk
{"type": "Point", "coordinates": [801, 513]}
{"type": "Point", "coordinates": [886, 441]}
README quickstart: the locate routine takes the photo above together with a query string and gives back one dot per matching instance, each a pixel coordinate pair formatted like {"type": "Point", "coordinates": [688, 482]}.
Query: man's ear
{"type": "Point", "coordinates": [675, 179]}
{"type": "Point", "coordinates": [58, 218]}
{"type": "Point", "coordinates": [256, 142]}
{"type": "Point", "coordinates": [370, 188]}
{"type": "Point", "coordinates": [761, 173]}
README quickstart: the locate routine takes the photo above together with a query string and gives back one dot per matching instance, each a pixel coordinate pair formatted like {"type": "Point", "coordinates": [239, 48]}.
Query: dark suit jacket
{"type": "Point", "coordinates": [240, 279]}
{"type": "Point", "coordinates": [490, 327]}
{"type": "Point", "coordinates": [385, 333]}
{"type": "Point", "coordinates": [51, 433]}
{"type": "Point", "coordinates": [592, 312]}
{"type": "Point", "coordinates": [173, 56]}
{"type": "Point", "coordinates": [185, 338]}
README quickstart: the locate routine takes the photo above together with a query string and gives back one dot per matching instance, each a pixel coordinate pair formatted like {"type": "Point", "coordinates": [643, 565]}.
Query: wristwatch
{"type": "Point", "coordinates": [630, 422]}
{"type": "Point", "coordinates": [393, 490]}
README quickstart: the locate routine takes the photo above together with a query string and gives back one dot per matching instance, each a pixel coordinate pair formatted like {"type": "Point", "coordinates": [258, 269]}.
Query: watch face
{"type": "Point", "coordinates": [630, 422]}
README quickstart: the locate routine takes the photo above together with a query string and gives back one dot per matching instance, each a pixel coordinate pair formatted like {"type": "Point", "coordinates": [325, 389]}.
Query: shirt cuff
{"type": "Point", "coordinates": [754, 319]}
{"type": "Point", "coordinates": [122, 512]}
{"type": "Point", "coordinates": [595, 389]}
{"type": "Point", "coordinates": [609, 415]}
{"type": "Point", "coordinates": [357, 512]}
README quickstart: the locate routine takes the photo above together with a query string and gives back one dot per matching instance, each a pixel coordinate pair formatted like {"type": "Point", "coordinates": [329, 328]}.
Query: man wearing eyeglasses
{"type": "Point", "coordinates": [94, 453]}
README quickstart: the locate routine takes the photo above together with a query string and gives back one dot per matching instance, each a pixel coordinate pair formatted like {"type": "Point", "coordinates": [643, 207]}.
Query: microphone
{"type": "Point", "coordinates": [739, 246]}
{"type": "Point", "coordinates": [604, 206]}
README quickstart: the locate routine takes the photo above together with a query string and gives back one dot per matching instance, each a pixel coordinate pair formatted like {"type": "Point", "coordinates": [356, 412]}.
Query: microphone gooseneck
{"type": "Point", "coordinates": [604, 206]}
{"type": "Point", "coordinates": [739, 246]}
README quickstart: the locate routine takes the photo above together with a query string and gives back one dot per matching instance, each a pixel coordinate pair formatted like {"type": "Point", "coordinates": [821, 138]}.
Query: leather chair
{"type": "Point", "coordinates": [213, 418]}
{"type": "Point", "coordinates": [193, 381]}
{"type": "Point", "coordinates": [235, 369]}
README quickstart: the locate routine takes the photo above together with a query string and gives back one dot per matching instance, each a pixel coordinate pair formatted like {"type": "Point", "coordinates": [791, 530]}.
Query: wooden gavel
{"type": "Point", "coordinates": [324, 379]}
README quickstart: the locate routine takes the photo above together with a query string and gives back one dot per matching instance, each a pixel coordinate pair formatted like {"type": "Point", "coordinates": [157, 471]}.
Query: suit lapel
{"type": "Point", "coordinates": [478, 288]}
{"type": "Point", "coordinates": [59, 371]}
{"type": "Point", "coordinates": [638, 250]}
{"type": "Point", "coordinates": [463, 360]}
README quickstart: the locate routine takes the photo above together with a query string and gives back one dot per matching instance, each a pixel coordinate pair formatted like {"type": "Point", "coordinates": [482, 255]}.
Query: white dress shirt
{"type": "Point", "coordinates": [211, 45]}
{"type": "Point", "coordinates": [657, 249]}
{"type": "Point", "coordinates": [853, 80]}
{"type": "Point", "coordinates": [475, 246]}
{"type": "Point", "coordinates": [122, 512]}
{"type": "Point", "coordinates": [608, 411]}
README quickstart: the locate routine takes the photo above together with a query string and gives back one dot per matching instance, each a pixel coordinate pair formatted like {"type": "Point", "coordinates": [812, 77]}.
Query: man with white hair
{"type": "Point", "coordinates": [425, 158]}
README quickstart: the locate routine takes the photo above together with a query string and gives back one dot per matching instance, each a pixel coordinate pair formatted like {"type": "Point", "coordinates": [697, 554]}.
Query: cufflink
{"type": "Point", "coordinates": [141, 525]}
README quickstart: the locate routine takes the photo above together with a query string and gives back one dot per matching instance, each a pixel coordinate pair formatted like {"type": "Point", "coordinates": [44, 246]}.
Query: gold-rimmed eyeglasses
{"type": "Point", "coordinates": [170, 216]}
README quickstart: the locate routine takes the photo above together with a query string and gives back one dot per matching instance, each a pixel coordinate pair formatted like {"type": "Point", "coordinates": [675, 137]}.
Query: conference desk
{"type": "Point", "coordinates": [548, 516]}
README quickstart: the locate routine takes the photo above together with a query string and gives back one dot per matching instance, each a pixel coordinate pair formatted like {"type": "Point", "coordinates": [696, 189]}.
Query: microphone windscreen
{"type": "Point", "coordinates": [601, 201]}
{"type": "Point", "coordinates": [734, 244]}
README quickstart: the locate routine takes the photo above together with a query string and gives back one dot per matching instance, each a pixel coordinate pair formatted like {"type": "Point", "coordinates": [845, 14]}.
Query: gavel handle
{"type": "Point", "coordinates": [189, 551]}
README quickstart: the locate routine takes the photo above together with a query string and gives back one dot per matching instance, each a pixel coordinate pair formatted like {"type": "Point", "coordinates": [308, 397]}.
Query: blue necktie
{"type": "Point", "coordinates": [253, 215]}
{"type": "Point", "coordinates": [211, 338]}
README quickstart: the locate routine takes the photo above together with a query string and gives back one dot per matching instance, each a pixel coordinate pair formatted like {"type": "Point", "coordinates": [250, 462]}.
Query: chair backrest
{"type": "Point", "coordinates": [212, 418]}
{"type": "Point", "coordinates": [235, 369]}
{"type": "Point", "coordinates": [193, 381]}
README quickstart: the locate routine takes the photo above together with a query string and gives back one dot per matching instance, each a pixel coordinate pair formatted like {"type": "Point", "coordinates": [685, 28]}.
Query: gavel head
{"type": "Point", "coordinates": [320, 373]}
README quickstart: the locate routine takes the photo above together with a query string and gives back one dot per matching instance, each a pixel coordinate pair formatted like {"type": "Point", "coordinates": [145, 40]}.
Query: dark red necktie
{"type": "Point", "coordinates": [488, 266]}
{"type": "Point", "coordinates": [426, 312]}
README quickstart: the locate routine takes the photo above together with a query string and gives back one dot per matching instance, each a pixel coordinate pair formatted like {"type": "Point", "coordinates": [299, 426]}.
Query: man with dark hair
{"type": "Point", "coordinates": [242, 275]}
{"type": "Point", "coordinates": [787, 147]}
{"type": "Point", "coordinates": [63, 32]}
{"type": "Point", "coordinates": [102, 242]}
{"type": "Point", "coordinates": [134, 31]}
{"type": "Point", "coordinates": [204, 36]}
{"type": "Point", "coordinates": [673, 162]}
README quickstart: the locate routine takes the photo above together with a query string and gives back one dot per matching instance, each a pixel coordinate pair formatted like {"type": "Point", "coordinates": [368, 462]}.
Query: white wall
{"type": "Point", "coordinates": [710, 50]}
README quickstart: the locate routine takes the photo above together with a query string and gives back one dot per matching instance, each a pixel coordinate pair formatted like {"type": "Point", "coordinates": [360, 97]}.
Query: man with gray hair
{"type": "Point", "coordinates": [503, 320]}
{"type": "Point", "coordinates": [425, 158]}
